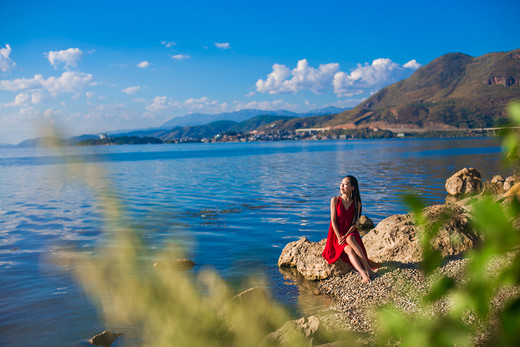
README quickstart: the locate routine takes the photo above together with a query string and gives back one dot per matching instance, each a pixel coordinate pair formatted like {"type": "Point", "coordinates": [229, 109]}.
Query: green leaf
{"type": "Point", "coordinates": [514, 112]}
{"type": "Point", "coordinates": [440, 288]}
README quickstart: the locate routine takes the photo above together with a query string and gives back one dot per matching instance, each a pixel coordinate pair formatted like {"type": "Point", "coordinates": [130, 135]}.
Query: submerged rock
{"type": "Point", "coordinates": [307, 328]}
{"type": "Point", "coordinates": [396, 238]}
{"type": "Point", "coordinates": [465, 181]}
{"type": "Point", "coordinates": [306, 257]}
{"type": "Point", "coordinates": [106, 338]}
{"type": "Point", "coordinates": [177, 264]}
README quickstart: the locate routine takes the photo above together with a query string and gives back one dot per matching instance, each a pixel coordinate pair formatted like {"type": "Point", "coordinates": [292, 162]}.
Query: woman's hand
{"type": "Point", "coordinates": [342, 239]}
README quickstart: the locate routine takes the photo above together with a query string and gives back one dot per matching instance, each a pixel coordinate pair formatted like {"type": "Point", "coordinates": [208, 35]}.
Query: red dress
{"type": "Point", "coordinates": [333, 250]}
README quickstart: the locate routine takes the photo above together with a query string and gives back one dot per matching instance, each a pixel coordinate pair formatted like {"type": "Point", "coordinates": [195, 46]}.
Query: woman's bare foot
{"type": "Point", "coordinates": [365, 279]}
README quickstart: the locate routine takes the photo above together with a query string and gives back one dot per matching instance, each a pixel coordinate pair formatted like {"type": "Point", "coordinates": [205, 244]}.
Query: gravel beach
{"type": "Point", "coordinates": [403, 286]}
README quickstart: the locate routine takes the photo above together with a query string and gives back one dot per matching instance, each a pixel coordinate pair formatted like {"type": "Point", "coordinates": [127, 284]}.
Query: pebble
{"type": "Point", "coordinates": [402, 285]}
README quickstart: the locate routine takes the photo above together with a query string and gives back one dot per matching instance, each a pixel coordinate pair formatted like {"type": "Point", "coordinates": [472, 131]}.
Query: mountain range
{"type": "Point", "coordinates": [241, 115]}
{"type": "Point", "coordinates": [453, 91]}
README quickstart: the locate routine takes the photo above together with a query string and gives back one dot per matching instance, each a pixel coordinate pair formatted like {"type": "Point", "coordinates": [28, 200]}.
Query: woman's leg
{"type": "Point", "coordinates": [359, 252]}
{"type": "Point", "coordinates": [355, 262]}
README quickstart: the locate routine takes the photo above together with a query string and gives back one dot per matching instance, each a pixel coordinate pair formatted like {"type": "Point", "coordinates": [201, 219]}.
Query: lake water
{"type": "Point", "coordinates": [235, 206]}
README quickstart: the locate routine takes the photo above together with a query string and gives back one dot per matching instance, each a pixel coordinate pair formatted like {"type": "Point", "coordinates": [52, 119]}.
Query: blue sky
{"type": "Point", "coordinates": [96, 66]}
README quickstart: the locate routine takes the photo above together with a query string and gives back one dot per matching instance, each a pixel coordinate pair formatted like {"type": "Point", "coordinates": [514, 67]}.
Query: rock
{"type": "Point", "coordinates": [495, 186]}
{"type": "Point", "coordinates": [178, 264]}
{"type": "Point", "coordinates": [365, 223]}
{"type": "Point", "coordinates": [512, 192]}
{"type": "Point", "coordinates": [396, 238]}
{"type": "Point", "coordinates": [307, 328]}
{"type": "Point", "coordinates": [497, 179]}
{"type": "Point", "coordinates": [306, 257]}
{"type": "Point", "coordinates": [106, 338]}
{"type": "Point", "coordinates": [509, 182]}
{"type": "Point", "coordinates": [465, 181]}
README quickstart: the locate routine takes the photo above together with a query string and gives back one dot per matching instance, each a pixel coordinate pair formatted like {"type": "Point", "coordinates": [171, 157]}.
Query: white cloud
{"type": "Point", "coordinates": [274, 81]}
{"type": "Point", "coordinates": [412, 64]}
{"type": "Point", "coordinates": [304, 77]}
{"type": "Point", "coordinates": [6, 63]}
{"type": "Point", "coordinates": [131, 90]}
{"type": "Point", "coordinates": [90, 94]}
{"type": "Point", "coordinates": [68, 57]}
{"type": "Point", "coordinates": [180, 56]}
{"type": "Point", "coordinates": [19, 100]}
{"type": "Point", "coordinates": [159, 103]}
{"type": "Point", "coordinates": [68, 82]}
{"type": "Point", "coordinates": [143, 64]}
{"type": "Point", "coordinates": [50, 113]}
{"type": "Point", "coordinates": [223, 45]}
{"type": "Point", "coordinates": [371, 77]}
{"type": "Point", "coordinates": [364, 79]}
{"type": "Point", "coordinates": [168, 44]}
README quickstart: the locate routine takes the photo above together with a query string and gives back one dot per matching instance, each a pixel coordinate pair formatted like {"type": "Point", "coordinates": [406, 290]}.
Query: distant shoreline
{"type": "Point", "coordinates": [311, 136]}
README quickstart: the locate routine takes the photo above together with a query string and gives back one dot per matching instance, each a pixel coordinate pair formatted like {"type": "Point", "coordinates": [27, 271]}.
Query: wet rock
{"type": "Point", "coordinates": [396, 238]}
{"type": "Point", "coordinates": [177, 264]}
{"type": "Point", "coordinates": [106, 338]}
{"type": "Point", "coordinates": [465, 181]}
{"type": "Point", "coordinates": [305, 256]}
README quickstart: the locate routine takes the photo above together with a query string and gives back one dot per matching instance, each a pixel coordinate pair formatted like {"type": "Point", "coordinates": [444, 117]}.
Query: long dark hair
{"type": "Point", "coordinates": [355, 196]}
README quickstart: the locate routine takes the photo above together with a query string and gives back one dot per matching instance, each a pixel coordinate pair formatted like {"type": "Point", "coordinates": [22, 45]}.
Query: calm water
{"type": "Point", "coordinates": [235, 206]}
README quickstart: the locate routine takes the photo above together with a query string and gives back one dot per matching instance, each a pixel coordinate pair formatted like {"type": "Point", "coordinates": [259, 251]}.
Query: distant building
{"type": "Point", "coordinates": [103, 136]}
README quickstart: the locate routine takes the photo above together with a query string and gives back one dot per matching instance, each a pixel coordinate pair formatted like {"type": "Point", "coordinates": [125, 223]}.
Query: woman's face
{"type": "Point", "coordinates": [346, 187]}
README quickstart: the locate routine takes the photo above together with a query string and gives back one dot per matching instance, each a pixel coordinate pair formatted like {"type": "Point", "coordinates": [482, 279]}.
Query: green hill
{"type": "Point", "coordinates": [454, 90]}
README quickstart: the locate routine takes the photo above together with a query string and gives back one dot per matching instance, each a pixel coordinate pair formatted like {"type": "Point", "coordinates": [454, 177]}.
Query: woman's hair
{"type": "Point", "coordinates": [355, 195]}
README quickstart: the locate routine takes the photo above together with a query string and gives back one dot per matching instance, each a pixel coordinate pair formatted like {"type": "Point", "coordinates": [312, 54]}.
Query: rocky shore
{"type": "Point", "coordinates": [394, 244]}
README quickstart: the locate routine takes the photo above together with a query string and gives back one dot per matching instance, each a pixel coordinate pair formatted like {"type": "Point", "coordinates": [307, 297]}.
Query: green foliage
{"type": "Point", "coordinates": [492, 268]}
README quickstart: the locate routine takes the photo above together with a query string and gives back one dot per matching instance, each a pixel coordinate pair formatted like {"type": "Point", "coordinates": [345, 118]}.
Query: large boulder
{"type": "Point", "coordinates": [306, 257]}
{"type": "Point", "coordinates": [397, 238]}
{"type": "Point", "coordinates": [465, 181]}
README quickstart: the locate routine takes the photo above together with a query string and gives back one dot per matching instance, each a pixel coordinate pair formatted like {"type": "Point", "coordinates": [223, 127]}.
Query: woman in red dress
{"type": "Point", "coordinates": [343, 240]}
